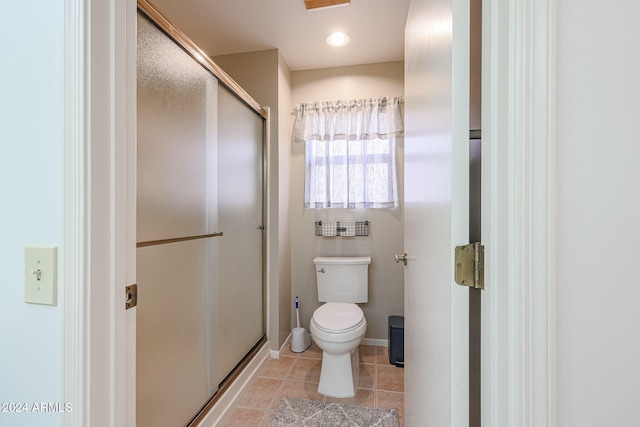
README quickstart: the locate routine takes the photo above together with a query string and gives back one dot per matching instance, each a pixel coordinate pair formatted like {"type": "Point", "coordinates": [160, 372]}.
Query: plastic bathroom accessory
{"type": "Point", "coordinates": [300, 338]}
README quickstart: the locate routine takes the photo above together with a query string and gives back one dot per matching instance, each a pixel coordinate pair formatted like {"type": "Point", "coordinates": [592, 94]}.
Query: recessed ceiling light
{"type": "Point", "coordinates": [338, 39]}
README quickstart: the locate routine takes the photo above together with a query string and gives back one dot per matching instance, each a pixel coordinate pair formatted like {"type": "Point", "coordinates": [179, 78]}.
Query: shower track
{"type": "Point", "coordinates": [227, 382]}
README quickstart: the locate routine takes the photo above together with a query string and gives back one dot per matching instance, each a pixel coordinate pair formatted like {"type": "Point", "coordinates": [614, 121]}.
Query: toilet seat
{"type": "Point", "coordinates": [338, 317]}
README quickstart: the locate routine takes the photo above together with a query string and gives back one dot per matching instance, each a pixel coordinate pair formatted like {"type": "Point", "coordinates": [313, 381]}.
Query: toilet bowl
{"type": "Point", "coordinates": [338, 328]}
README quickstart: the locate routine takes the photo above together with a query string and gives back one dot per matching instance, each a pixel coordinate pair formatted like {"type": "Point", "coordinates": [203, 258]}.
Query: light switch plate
{"type": "Point", "coordinates": [40, 274]}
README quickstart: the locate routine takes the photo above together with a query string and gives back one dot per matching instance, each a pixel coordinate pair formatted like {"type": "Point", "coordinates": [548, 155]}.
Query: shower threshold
{"type": "Point", "coordinates": [226, 385]}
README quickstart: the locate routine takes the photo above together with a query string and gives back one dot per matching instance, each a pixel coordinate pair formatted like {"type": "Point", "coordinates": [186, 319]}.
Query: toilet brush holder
{"type": "Point", "coordinates": [300, 340]}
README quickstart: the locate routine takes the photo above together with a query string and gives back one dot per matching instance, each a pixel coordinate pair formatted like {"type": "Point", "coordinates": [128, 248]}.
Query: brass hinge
{"type": "Point", "coordinates": [131, 296]}
{"type": "Point", "coordinates": [470, 265]}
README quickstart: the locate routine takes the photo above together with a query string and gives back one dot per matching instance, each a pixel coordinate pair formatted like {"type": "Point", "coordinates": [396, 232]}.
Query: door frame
{"type": "Point", "coordinates": [518, 224]}
{"type": "Point", "coordinates": [519, 80]}
{"type": "Point", "coordinates": [98, 256]}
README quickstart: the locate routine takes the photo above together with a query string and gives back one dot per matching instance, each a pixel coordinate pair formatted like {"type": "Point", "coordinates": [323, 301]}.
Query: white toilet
{"type": "Point", "coordinates": [339, 325]}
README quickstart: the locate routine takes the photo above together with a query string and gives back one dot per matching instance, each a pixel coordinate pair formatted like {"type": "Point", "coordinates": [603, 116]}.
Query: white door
{"type": "Point", "coordinates": [436, 212]}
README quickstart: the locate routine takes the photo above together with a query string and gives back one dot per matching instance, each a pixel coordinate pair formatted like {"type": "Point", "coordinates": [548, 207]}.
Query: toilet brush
{"type": "Point", "coordinates": [300, 338]}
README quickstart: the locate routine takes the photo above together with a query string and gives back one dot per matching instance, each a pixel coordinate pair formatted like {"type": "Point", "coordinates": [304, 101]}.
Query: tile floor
{"type": "Point", "coordinates": [297, 374]}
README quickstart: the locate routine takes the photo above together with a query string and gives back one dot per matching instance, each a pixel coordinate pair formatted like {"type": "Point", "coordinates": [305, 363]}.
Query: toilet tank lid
{"type": "Point", "coordinates": [342, 260]}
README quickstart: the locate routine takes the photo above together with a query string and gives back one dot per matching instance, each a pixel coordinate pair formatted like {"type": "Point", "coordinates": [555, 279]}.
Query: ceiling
{"type": "Point", "coordinates": [220, 27]}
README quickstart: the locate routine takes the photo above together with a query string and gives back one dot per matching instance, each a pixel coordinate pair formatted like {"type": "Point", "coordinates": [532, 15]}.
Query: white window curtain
{"type": "Point", "coordinates": [350, 152]}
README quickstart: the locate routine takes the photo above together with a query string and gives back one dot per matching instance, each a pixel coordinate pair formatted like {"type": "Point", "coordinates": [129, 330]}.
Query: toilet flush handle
{"type": "Point", "coordinates": [322, 270]}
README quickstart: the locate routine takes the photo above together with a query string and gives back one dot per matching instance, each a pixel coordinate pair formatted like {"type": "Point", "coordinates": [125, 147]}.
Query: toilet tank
{"type": "Point", "coordinates": [342, 279]}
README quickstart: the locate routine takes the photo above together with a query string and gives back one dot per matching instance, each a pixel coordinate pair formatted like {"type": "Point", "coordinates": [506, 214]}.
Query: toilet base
{"type": "Point", "coordinates": [339, 374]}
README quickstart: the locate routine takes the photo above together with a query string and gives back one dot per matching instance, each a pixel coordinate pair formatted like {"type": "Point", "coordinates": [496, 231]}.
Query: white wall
{"type": "Point", "coordinates": [598, 213]}
{"type": "Point", "coordinates": [31, 129]}
{"type": "Point", "coordinates": [386, 283]}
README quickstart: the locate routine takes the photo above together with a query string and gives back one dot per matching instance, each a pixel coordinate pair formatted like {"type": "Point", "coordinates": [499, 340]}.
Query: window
{"type": "Point", "coordinates": [350, 148]}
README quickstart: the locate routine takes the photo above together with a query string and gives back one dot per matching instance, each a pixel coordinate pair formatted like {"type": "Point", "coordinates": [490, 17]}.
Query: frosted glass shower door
{"type": "Point", "coordinates": [200, 170]}
{"type": "Point", "coordinates": [240, 214]}
{"type": "Point", "coordinates": [176, 199]}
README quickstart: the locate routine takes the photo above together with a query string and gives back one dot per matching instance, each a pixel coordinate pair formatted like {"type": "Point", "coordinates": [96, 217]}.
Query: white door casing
{"type": "Point", "coordinates": [98, 377]}
{"type": "Point", "coordinates": [518, 317]}
{"type": "Point", "coordinates": [518, 130]}
{"type": "Point", "coordinates": [436, 212]}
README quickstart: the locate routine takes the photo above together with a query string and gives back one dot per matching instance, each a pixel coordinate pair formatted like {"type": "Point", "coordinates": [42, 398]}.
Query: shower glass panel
{"type": "Point", "coordinates": [240, 215]}
{"type": "Point", "coordinates": [176, 137]}
{"type": "Point", "coordinates": [200, 186]}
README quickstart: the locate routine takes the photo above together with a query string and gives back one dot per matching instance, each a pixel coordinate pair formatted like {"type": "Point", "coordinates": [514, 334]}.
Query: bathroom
{"type": "Point", "coordinates": [292, 244]}
{"type": "Point", "coordinates": [563, 335]}
{"type": "Point", "coordinates": [297, 222]}
{"type": "Point", "coordinates": [260, 73]}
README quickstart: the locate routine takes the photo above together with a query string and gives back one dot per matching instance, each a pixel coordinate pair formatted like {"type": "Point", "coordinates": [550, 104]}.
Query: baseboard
{"type": "Point", "coordinates": [222, 407]}
{"type": "Point", "coordinates": [276, 354]}
{"type": "Point", "coordinates": [366, 341]}
{"type": "Point", "coordinates": [375, 341]}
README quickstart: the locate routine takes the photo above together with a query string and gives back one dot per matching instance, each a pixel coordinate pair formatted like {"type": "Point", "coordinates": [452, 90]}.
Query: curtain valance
{"type": "Point", "coordinates": [354, 120]}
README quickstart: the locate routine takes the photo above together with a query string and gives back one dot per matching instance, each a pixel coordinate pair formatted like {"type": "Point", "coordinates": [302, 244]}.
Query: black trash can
{"type": "Point", "coordinates": [396, 340]}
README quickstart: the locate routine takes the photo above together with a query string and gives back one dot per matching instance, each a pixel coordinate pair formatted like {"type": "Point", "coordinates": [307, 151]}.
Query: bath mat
{"type": "Point", "coordinates": [301, 412]}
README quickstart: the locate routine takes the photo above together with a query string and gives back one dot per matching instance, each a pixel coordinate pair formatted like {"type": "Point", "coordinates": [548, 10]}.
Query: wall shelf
{"type": "Point", "coordinates": [342, 228]}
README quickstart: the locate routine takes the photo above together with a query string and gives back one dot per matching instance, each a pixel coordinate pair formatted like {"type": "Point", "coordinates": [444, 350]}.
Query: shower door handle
{"type": "Point", "coordinates": [402, 258]}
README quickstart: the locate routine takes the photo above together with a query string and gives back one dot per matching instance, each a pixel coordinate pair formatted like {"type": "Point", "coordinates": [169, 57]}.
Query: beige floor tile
{"type": "Point", "coordinates": [266, 419]}
{"type": "Point", "coordinates": [288, 353]}
{"type": "Point", "coordinates": [277, 368]}
{"type": "Point", "coordinates": [302, 390]}
{"type": "Point", "coordinates": [390, 400]}
{"type": "Point", "coordinates": [390, 378]}
{"type": "Point", "coordinates": [382, 356]}
{"type": "Point", "coordinates": [381, 384]}
{"type": "Point", "coordinates": [368, 353]}
{"type": "Point", "coordinates": [312, 352]}
{"type": "Point", "coordinates": [363, 398]}
{"type": "Point", "coordinates": [260, 393]}
{"type": "Point", "coordinates": [367, 376]}
{"type": "Point", "coordinates": [305, 370]}
{"type": "Point", "coordinates": [245, 417]}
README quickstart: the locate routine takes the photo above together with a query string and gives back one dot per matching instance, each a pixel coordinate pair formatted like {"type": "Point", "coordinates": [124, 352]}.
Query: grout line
{"type": "Point", "coordinates": [375, 399]}
{"type": "Point", "coordinates": [273, 400]}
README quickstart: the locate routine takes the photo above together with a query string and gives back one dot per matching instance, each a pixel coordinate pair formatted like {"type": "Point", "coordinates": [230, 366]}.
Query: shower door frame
{"type": "Point", "coordinates": [225, 80]}
{"type": "Point", "coordinates": [182, 40]}
{"type": "Point", "coordinates": [236, 90]}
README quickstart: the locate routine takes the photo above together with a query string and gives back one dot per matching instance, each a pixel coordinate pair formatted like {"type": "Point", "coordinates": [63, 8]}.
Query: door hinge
{"type": "Point", "coordinates": [131, 296]}
{"type": "Point", "coordinates": [469, 269]}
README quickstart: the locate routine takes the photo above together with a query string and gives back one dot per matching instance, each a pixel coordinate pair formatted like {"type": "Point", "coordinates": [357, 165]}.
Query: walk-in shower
{"type": "Point", "coordinates": [200, 225]}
